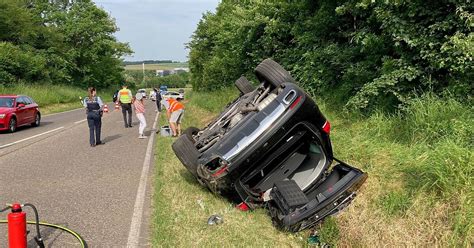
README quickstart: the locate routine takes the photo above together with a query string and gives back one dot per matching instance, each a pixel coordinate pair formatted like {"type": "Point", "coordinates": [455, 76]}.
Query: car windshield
{"type": "Point", "coordinates": [6, 102]}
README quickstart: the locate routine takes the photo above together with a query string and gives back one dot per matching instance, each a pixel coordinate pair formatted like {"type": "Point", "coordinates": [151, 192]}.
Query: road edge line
{"type": "Point", "coordinates": [134, 234]}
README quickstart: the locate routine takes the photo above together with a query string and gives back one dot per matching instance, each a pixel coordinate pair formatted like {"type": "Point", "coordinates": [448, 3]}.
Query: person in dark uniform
{"type": "Point", "coordinates": [94, 106]}
{"type": "Point", "coordinates": [158, 99]}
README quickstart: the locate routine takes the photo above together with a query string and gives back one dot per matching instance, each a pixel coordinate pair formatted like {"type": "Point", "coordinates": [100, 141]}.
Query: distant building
{"type": "Point", "coordinates": [181, 70]}
{"type": "Point", "coordinates": [162, 73]}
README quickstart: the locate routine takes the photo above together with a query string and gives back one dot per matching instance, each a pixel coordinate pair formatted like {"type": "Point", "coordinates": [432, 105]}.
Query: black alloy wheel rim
{"type": "Point", "coordinates": [12, 125]}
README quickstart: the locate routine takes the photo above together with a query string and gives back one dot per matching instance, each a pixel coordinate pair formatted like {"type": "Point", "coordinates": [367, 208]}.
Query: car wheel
{"type": "Point", "coordinates": [12, 125]}
{"type": "Point", "coordinates": [37, 120]}
{"type": "Point", "coordinates": [187, 153]}
{"type": "Point", "coordinates": [271, 72]}
{"type": "Point", "coordinates": [190, 132]}
{"type": "Point", "coordinates": [244, 85]}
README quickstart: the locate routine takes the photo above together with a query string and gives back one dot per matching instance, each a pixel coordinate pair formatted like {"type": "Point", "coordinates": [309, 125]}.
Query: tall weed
{"type": "Point", "coordinates": [214, 101]}
{"type": "Point", "coordinates": [424, 149]}
{"type": "Point", "coordinates": [429, 119]}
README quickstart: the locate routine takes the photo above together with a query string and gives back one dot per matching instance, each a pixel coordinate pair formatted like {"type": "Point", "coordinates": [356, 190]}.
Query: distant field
{"type": "Point", "coordinates": [164, 66]}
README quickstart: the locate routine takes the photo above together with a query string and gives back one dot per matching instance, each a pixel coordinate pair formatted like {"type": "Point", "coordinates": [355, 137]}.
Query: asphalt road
{"type": "Point", "coordinates": [92, 191]}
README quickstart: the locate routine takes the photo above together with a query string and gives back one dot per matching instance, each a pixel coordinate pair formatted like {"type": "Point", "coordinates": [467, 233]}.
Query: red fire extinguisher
{"type": "Point", "coordinates": [17, 227]}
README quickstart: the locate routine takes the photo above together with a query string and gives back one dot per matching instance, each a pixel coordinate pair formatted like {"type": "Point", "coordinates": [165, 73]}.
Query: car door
{"type": "Point", "coordinates": [21, 112]}
{"type": "Point", "coordinates": [29, 110]}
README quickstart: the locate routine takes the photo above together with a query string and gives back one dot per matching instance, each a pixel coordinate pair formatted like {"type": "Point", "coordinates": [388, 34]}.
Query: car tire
{"type": "Point", "coordinates": [271, 72]}
{"type": "Point", "coordinates": [187, 153]}
{"type": "Point", "coordinates": [190, 132]}
{"type": "Point", "coordinates": [37, 120]}
{"type": "Point", "coordinates": [12, 125]}
{"type": "Point", "coordinates": [244, 85]}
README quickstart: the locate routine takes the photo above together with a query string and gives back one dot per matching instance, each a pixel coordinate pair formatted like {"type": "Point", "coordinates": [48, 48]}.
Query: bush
{"type": "Point", "coordinates": [376, 54]}
{"type": "Point", "coordinates": [17, 63]}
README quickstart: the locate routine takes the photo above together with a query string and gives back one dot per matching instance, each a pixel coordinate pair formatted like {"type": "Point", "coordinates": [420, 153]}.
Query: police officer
{"type": "Point", "coordinates": [125, 98]}
{"type": "Point", "coordinates": [94, 106]}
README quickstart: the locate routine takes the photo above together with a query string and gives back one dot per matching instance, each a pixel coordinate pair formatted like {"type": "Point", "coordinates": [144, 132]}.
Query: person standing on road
{"type": "Point", "coordinates": [125, 99]}
{"type": "Point", "coordinates": [175, 113]}
{"type": "Point", "coordinates": [139, 106]}
{"type": "Point", "coordinates": [94, 107]}
{"type": "Point", "coordinates": [158, 99]}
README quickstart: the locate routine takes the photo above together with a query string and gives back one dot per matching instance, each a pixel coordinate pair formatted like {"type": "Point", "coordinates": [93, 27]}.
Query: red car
{"type": "Point", "coordinates": [16, 111]}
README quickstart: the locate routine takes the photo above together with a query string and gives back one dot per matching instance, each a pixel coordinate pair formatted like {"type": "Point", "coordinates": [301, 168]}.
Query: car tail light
{"type": "Point", "coordinates": [220, 171]}
{"type": "Point", "coordinates": [327, 127]}
{"type": "Point", "coordinates": [242, 206]}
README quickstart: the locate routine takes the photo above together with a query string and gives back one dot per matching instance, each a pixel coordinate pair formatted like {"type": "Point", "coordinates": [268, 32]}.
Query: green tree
{"type": "Point", "coordinates": [365, 54]}
{"type": "Point", "coordinates": [59, 42]}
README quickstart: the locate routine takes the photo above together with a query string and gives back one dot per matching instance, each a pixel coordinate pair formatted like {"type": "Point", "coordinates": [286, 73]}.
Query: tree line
{"type": "Point", "coordinates": [366, 54]}
{"type": "Point", "coordinates": [149, 62]}
{"type": "Point", "coordinates": [67, 42]}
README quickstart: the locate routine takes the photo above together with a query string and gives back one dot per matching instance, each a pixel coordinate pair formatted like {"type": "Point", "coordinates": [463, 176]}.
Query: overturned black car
{"type": "Point", "coordinates": [271, 147]}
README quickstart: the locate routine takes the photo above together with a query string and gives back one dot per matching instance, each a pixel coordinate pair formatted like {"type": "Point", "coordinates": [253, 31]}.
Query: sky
{"type": "Point", "coordinates": [157, 29]}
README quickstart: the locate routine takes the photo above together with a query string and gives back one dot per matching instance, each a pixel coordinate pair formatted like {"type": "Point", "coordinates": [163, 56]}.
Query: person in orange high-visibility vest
{"type": "Point", "coordinates": [175, 112]}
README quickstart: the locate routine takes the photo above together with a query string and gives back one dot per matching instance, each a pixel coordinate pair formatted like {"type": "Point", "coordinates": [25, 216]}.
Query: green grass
{"type": "Point", "coordinates": [395, 202]}
{"type": "Point", "coordinates": [421, 172]}
{"type": "Point", "coordinates": [54, 98]}
{"type": "Point", "coordinates": [213, 101]}
{"type": "Point", "coordinates": [419, 192]}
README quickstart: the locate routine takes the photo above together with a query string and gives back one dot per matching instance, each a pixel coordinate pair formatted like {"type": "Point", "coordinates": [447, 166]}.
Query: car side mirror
{"type": "Point", "coordinates": [21, 105]}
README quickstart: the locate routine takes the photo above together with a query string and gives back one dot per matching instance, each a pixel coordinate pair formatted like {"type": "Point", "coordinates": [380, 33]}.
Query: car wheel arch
{"type": "Point", "coordinates": [37, 122]}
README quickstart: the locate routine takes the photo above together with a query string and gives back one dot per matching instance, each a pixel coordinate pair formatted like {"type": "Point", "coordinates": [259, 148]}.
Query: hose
{"type": "Point", "coordinates": [76, 235]}
{"type": "Point", "coordinates": [38, 238]}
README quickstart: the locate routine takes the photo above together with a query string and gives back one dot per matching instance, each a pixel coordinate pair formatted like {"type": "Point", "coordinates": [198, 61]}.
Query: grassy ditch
{"type": "Point", "coordinates": [54, 98]}
{"type": "Point", "coordinates": [419, 192]}
{"type": "Point", "coordinates": [421, 172]}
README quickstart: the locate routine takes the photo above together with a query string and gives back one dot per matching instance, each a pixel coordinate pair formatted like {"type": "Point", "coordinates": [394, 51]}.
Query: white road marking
{"type": "Point", "coordinates": [72, 110]}
{"type": "Point", "coordinates": [77, 122]}
{"type": "Point", "coordinates": [134, 234]}
{"type": "Point", "coordinates": [32, 137]}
